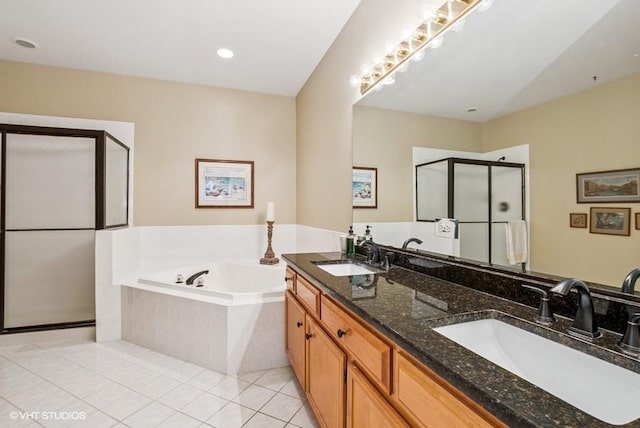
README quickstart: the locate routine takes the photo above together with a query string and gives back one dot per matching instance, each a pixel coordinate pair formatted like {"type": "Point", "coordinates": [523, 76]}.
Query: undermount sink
{"type": "Point", "coordinates": [345, 268]}
{"type": "Point", "coordinates": [603, 390]}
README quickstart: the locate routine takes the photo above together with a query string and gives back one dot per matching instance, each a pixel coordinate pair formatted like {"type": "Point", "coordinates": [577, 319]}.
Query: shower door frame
{"type": "Point", "coordinates": [451, 161]}
{"type": "Point", "coordinates": [100, 137]}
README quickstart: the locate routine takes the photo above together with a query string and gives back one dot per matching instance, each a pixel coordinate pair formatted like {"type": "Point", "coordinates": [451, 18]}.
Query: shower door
{"type": "Point", "coordinates": [49, 229]}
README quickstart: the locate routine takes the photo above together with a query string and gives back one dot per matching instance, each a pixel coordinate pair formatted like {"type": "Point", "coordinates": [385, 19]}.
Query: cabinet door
{"type": "Point", "coordinates": [326, 367]}
{"type": "Point", "coordinates": [366, 407]}
{"type": "Point", "coordinates": [295, 339]}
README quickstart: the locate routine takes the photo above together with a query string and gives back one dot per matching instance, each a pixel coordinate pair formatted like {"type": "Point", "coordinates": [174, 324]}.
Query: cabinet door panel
{"type": "Point", "coordinates": [366, 407]}
{"type": "Point", "coordinates": [326, 367]}
{"type": "Point", "coordinates": [295, 340]}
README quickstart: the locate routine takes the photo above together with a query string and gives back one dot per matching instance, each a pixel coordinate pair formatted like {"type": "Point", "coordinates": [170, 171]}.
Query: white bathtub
{"type": "Point", "coordinates": [226, 283]}
{"type": "Point", "coordinates": [233, 324]}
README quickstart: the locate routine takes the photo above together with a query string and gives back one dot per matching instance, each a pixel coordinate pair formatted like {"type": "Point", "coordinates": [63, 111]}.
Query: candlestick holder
{"type": "Point", "coordinates": [269, 256]}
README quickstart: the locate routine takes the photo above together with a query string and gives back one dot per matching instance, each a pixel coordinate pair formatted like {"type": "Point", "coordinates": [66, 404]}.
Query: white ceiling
{"type": "Point", "coordinates": [277, 43]}
{"type": "Point", "coordinates": [519, 54]}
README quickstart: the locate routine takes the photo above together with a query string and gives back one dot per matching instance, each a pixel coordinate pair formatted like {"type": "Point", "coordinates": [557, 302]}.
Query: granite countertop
{"type": "Point", "coordinates": [405, 306]}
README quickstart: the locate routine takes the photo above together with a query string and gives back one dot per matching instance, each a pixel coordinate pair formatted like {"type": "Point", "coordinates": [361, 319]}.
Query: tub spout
{"type": "Point", "coordinates": [193, 277]}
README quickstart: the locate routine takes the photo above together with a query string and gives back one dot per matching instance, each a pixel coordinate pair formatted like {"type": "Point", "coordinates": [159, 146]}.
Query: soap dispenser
{"type": "Point", "coordinates": [367, 234]}
{"type": "Point", "coordinates": [351, 242]}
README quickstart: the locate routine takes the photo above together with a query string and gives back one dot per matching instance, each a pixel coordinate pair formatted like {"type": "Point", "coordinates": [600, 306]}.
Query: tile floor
{"type": "Point", "coordinates": [118, 384]}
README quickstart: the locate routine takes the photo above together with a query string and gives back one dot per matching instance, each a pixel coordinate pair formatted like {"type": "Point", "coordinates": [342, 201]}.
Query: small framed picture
{"type": "Point", "coordinates": [364, 187]}
{"type": "Point", "coordinates": [224, 183]}
{"type": "Point", "coordinates": [610, 221]}
{"type": "Point", "coordinates": [637, 221]}
{"type": "Point", "coordinates": [578, 220]}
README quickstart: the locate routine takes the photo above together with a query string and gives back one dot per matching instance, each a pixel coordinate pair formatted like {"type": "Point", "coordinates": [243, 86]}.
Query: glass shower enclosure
{"type": "Point", "coordinates": [482, 195]}
{"type": "Point", "coordinates": [58, 186]}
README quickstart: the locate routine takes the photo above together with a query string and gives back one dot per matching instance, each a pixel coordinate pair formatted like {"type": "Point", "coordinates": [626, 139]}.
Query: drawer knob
{"type": "Point", "coordinates": [288, 278]}
{"type": "Point", "coordinates": [341, 332]}
{"type": "Point", "coordinates": [308, 336]}
{"type": "Point", "coordinates": [299, 324]}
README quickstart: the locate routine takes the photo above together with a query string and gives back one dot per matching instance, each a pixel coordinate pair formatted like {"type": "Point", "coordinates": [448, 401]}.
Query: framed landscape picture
{"type": "Point", "coordinates": [364, 187]}
{"type": "Point", "coordinates": [224, 183]}
{"type": "Point", "coordinates": [578, 220]}
{"type": "Point", "coordinates": [610, 221]}
{"type": "Point", "coordinates": [608, 186]}
{"type": "Point", "coordinates": [637, 221]}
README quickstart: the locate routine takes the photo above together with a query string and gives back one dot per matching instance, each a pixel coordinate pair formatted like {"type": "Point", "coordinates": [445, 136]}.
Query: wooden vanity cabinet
{"type": "Point", "coordinates": [382, 386]}
{"type": "Point", "coordinates": [326, 371]}
{"type": "Point", "coordinates": [428, 401]}
{"type": "Point", "coordinates": [295, 342]}
{"type": "Point", "coordinates": [366, 407]}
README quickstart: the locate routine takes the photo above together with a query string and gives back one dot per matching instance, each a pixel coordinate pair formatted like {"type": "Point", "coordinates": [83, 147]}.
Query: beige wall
{"type": "Point", "coordinates": [595, 130]}
{"type": "Point", "coordinates": [324, 111]}
{"type": "Point", "coordinates": [384, 139]}
{"type": "Point", "coordinates": [175, 123]}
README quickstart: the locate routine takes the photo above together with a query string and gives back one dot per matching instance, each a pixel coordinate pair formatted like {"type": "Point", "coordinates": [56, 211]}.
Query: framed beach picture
{"type": "Point", "coordinates": [364, 187]}
{"type": "Point", "coordinates": [608, 186]}
{"type": "Point", "coordinates": [610, 221]}
{"type": "Point", "coordinates": [637, 221]}
{"type": "Point", "coordinates": [578, 220]}
{"type": "Point", "coordinates": [224, 183]}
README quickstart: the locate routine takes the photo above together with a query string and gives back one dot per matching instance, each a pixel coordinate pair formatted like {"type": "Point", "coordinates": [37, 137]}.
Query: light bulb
{"type": "Point", "coordinates": [354, 81]}
{"type": "Point", "coordinates": [389, 80]}
{"type": "Point", "coordinates": [404, 67]}
{"type": "Point", "coordinates": [429, 13]}
{"type": "Point", "coordinates": [458, 26]}
{"type": "Point", "coordinates": [390, 49]}
{"type": "Point", "coordinates": [418, 56]}
{"type": "Point", "coordinates": [378, 88]}
{"type": "Point", "coordinates": [365, 69]}
{"type": "Point", "coordinates": [437, 42]}
{"type": "Point", "coordinates": [485, 6]}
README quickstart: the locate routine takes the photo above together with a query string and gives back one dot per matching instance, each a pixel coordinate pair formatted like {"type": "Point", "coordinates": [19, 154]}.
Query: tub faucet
{"type": "Point", "coordinates": [629, 283]}
{"type": "Point", "coordinates": [373, 251]}
{"type": "Point", "coordinates": [409, 241]}
{"type": "Point", "coordinates": [193, 277]}
{"type": "Point", "coordinates": [584, 324]}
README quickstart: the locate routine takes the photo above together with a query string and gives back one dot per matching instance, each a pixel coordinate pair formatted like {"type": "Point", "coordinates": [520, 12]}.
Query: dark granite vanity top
{"type": "Point", "coordinates": [405, 305]}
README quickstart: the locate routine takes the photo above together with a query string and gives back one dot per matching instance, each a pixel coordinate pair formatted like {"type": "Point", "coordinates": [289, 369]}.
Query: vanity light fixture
{"type": "Point", "coordinates": [450, 15]}
{"type": "Point", "coordinates": [225, 53]}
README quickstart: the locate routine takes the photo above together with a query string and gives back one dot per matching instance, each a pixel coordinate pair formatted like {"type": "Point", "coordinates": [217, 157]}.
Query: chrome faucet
{"type": "Point", "coordinates": [409, 241]}
{"type": "Point", "coordinates": [373, 251]}
{"type": "Point", "coordinates": [584, 324]}
{"type": "Point", "coordinates": [629, 283]}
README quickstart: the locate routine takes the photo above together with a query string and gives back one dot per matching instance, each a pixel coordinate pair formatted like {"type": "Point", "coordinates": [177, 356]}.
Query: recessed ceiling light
{"type": "Point", "coordinates": [225, 53]}
{"type": "Point", "coordinates": [25, 43]}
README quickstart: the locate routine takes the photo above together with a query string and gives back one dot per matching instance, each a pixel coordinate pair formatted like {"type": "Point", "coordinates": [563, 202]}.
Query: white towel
{"type": "Point", "coordinates": [517, 241]}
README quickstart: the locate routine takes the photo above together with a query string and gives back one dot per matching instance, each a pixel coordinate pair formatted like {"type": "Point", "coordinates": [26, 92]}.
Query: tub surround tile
{"type": "Point", "coordinates": [408, 304]}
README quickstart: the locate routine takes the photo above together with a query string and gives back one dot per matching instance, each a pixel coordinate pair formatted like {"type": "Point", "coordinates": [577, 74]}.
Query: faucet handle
{"type": "Point", "coordinates": [544, 315]}
{"type": "Point", "coordinates": [630, 343]}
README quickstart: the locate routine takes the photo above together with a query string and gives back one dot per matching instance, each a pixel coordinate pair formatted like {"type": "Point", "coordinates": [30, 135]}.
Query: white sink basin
{"type": "Point", "coordinates": [346, 269]}
{"type": "Point", "coordinates": [603, 390]}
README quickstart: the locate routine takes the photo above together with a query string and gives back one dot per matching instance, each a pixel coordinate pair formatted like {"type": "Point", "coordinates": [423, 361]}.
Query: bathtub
{"type": "Point", "coordinates": [233, 324]}
{"type": "Point", "coordinates": [226, 283]}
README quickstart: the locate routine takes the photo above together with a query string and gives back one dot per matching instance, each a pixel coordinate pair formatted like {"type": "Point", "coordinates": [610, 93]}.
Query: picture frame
{"type": "Point", "coordinates": [578, 220]}
{"type": "Point", "coordinates": [637, 221]}
{"type": "Point", "coordinates": [610, 221]}
{"type": "Point", "coordinates": [364, 187]}
{"type": "Point", "coordinates": [622, 185]}
{"type": "Point", "coordinates": [224, 183]}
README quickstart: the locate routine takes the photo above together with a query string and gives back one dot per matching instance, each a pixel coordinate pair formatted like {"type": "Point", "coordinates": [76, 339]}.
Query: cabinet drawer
{"type": "Point", "coordinates": [308, 294]}
{"type": "Point", "coordinates": [372, 353]}
{"type": "Point", "coordinates": [290, 278]}
{"type": "Point", "coordinates": [424, 399]}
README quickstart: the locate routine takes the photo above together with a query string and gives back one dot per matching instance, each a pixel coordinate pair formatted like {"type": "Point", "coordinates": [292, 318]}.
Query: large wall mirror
{"type": "Point", "coordinates": [554, 85]}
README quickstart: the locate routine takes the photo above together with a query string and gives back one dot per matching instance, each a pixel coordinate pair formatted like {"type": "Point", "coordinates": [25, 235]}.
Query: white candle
{"type": "Point", "coordinates": [271, 211]}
